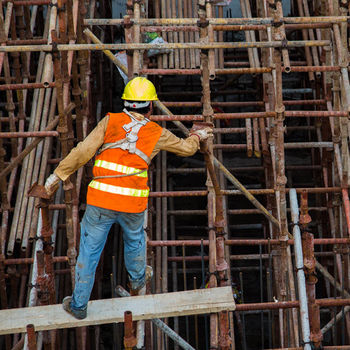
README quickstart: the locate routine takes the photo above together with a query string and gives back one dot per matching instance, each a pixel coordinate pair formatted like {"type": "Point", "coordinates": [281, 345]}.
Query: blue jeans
{"type": "Point", "coordinates": [95, 227]}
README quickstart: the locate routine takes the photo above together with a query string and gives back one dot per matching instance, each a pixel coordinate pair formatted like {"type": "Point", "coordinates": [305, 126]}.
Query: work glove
{"type": "Point", "coordinates": [51, 183]}
{"type": "Point", "coordinates": [202, 134]}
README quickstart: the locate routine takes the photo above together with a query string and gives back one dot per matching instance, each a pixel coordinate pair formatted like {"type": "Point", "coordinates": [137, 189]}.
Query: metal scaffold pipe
{"type": "Point", "coordinates": [169, 46]}
{"type": "Point", "coordinates": [299, 266]}
{"type": "Point", "coordinates": [227, 21]}
{"type": "Point", "coordinates": [251, 198]}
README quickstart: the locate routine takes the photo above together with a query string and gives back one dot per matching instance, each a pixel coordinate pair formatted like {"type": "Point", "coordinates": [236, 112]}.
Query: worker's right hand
{"type": "Point", "coordinates": [51, 183]}
{"type": "Point", "coordinates": [203, 133]}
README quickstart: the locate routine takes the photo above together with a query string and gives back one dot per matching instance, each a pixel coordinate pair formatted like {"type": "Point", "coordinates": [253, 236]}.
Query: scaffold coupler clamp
{"type": "Point", "coordinates": [300, 225]}
{"type": "Point", "coordinates": [55, 52]}
{"type": "Point", "coordinates": [311, 343]}
{"type": "Point", "coordinates": [72, 256]}
{"type": "Point", "coordinates": [215, 273]}
{"type": "Point", "coordinates": [224, 341]}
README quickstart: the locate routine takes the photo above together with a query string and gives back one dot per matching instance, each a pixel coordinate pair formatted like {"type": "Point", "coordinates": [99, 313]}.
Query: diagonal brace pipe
{"type": "Point", "coordinates": [245, 192]}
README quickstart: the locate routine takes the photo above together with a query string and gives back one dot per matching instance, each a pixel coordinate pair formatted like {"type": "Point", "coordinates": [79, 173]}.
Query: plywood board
{"type": "Point", "coordinates": [145, 307]}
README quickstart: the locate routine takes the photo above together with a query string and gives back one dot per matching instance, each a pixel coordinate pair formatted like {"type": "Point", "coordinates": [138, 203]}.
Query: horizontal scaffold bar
{"type": "Point", "coordinates": [17, 134]}
{"type": "Point", "coordinates": [221, 21]}
{"type": "Point", "coordinates": [291, 304]}
{"type": "Point", "coordinates": [250, 241]}
{"type": "Point", "coordinates": [233, 28]}
{"type": "Point", "coordinates": [296, 145]}
{"type": "Point", "coordinates": [168, 46]}
{"type": "Point", "coordinates": [239, 70]}
{"type": "Point", "coordinates": [289, 114]}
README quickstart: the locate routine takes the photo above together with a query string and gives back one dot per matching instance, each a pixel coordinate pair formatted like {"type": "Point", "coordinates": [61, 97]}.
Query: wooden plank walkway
{"type": "Point", "coordinates": [145, 307]}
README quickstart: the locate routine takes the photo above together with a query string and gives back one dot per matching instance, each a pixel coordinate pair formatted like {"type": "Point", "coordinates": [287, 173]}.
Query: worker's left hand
{"type": "Point", "coordinates": [203, 133]}
{"type": "Point", "coordinates": [51, 183]}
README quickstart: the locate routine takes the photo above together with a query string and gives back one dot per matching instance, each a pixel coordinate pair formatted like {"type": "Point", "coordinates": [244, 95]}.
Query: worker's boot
{"type": "Point", "coordinates": [79, 314]}
{"type": "Point", "coordinates": [149, 275]}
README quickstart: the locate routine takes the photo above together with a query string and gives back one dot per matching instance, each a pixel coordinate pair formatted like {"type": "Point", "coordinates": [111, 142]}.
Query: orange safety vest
{"type": "Point", "coordinates": [127, 194]}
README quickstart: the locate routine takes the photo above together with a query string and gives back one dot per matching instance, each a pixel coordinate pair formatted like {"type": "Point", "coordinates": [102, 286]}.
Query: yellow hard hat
{"type": "Point", "coordinates": [140, 89]}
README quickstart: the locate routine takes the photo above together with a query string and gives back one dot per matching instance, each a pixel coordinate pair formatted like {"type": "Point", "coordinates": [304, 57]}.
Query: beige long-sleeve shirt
{"type": "Point", "coordinates": [86, 149]}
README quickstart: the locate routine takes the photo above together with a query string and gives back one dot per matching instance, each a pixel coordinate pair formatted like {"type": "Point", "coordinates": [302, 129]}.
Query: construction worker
{"type": "Point", "coordinates": [124, 144]}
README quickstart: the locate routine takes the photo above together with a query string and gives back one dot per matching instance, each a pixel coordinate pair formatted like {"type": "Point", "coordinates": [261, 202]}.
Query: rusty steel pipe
{"type": "Point", "coordinates": [290, 304]}
{"type": "Point", "coordinates": [307, 26]}
{"type": "Point", "coordinates": [338, 347]}
{"type": "Point", "coordinates": [173, 117]}
{"type": "Point", "coordinates": [128, 39]}
{"type": "Point", "coordinates": [170, 71]}
{"type": "Point", "coordinates": [256, 134]}
{"type": "Point", "coordinates": [63, 129]}
{"type": "Point", "coordinates": [174, 46]}
{"type": "Point", "coordinates": [169, 29]}
{"type": "Point", "coordinates": [5, 26]}
{"type": "Point", "coordinates": [42, 278]}
{"type": "Point", "coordinates": [249, 137]}
{"type": "Point", "coordinates": [27, 86]}
{"type": "Point", "coordinates": [263, 136]}
{"type": "Point", "coordinates": [219, 21]}
{"type": "Point", "coordinates": [137, 39]}
{"type": "Point", "coordinates": [26, 261]}
{"type": "Point", "coordinates": [307, 69]}
{"type": "Point", "coordinates": [31, 337]}
{"type": "Point", "coordinates": [129, 338]}
{"type": "Point", "coordinates": [27, 42]}
{"type": "Point", "coordinates": [300, 145]}
{"type": "Point", "coordinates": [238, 28]}
{"type": "Point", "coordinates": [345, 196]}
{"type": "Point", "coordinates": [224, 337]}
{"type": "Point", "coordinates": [226, 192]}
{"type": "Point", "coordinates": [233, 212]}
{"type": "Point", "coordinates": [16, 134]}
{"type": "Point", "coordinates": [244, 257]}
{"type": "Point", "coordinates": [30, 2]}
{"type": "Point", "coordinates": [252, 241]}
{"type": "Point", "coordinates": [316, 335]}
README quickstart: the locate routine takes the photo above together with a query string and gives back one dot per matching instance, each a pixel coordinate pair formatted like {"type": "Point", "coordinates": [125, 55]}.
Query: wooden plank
{"type": "Point", "coordinates": [145, 307]}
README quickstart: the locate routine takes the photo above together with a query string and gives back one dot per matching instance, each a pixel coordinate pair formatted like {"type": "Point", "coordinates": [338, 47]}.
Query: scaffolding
{"type": "Point", "coordinates": [263, 207]}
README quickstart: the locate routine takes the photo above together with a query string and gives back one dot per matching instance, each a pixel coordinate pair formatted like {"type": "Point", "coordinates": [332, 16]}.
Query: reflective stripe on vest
{"type": "Point", "coordinates": [120, 168]}
{"type": "Point", "coordinates": [124, 191]}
